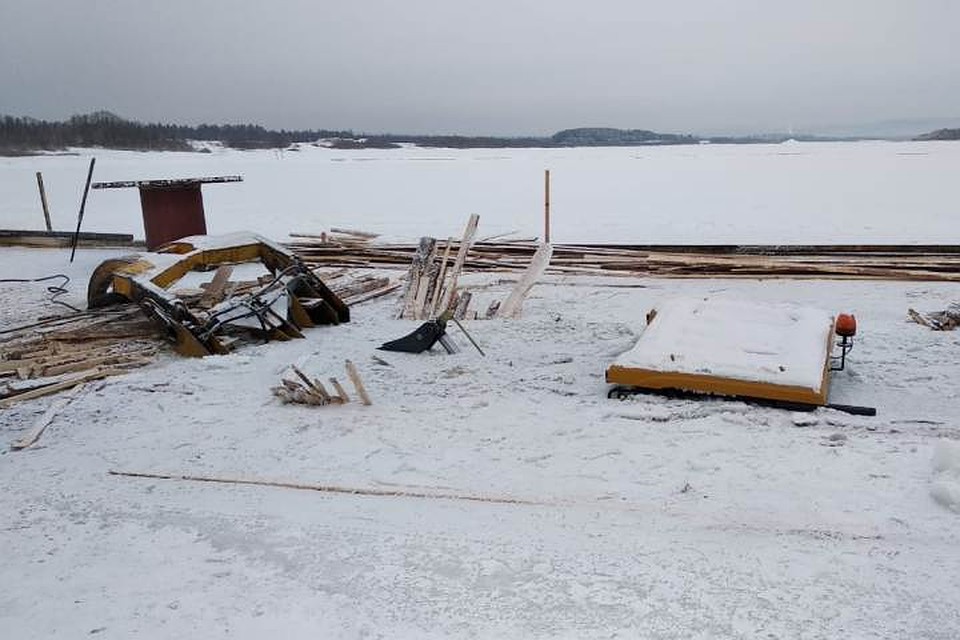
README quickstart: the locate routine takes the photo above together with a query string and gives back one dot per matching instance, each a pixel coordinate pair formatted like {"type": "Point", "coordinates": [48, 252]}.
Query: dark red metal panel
{"type": "Point", "coordinates": [172, 213]}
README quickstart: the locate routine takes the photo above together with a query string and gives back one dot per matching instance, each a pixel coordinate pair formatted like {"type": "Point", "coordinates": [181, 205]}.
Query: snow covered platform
{"type": "Point", "coordinates": [732, 348]}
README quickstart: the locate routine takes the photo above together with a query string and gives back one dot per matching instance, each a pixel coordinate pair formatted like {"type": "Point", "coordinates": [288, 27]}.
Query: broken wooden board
{"type": "Point", "coordinates": [732, 348]}
{"type": "Point", "coordinates": [44, 421]}
{"type": "Point", "coordinates": [538, 265]}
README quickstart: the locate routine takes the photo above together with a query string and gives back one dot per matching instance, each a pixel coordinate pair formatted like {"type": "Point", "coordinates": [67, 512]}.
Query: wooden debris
{"type": "Point", "coordinates": [341, 392]}
{"type": "Point", "coordinates": [946, 320]}
{"type": "Point", "coordinates": [314, 385]}
{"type": "Point", "coordinates": [214, 293]}
{"type": "Point", "coordinates": [435, 298]}
{"type": "Point", "coordinates": [313, 392]}
{"type": "Point", "coordinates": [465, 242]}
{"type": "Point", "coordinates": [354, 376]}
{"type": "Point", "coordinates": [538, 264]}
{"type": "Point", "coordinates": [44, 421]}
{"type": "Point", "coordinates": [414, 294]}
{"type": "Point", "coordinates": [68, 383]}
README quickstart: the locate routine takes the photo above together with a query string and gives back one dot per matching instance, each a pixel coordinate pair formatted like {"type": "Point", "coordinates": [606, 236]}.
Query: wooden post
{"type": "Point", "coordinates": [546, 206]}
{"type": "Point", "coordinates": [83, 204]}
{"type": "Point", "coordinates": [43, 201]}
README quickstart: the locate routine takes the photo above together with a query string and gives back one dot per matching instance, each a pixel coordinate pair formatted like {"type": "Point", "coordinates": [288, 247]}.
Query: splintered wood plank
{"type": "Point", "coordinates": [341, 392]}
{"type": "Point", "coordinates": [435, 298]}
{"type": "Point", "coordinates": [44, 421]}
{"type": "Point", "coordinates": [354, 376]}
{"type": "Point", "coordinates": [215, 291]}
{"type": "Point", "coordinates": [514, 302]}
{"type": "Point", "coordinates": [313, 385]}
{"type": "Point", "coordinates": [418, 266]}
{"type": "Point", "coordinates": [94, 374]}
{"type": "Point", "coordinates": [465, 242]}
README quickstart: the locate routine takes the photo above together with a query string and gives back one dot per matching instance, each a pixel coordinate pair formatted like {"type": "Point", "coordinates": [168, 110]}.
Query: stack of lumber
{"type": "Point", "coordinates": [53, 355]}
{"type": "Point", "coordinates": [874, 262]}
{"type": "Point", "coordinates": [61, 239]}
{"type": "Point", "coordinates": [431, 287]}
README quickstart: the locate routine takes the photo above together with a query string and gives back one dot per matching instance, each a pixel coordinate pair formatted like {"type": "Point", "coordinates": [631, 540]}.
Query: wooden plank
{"type": "Point", "coordinates": [465, 241]}
{"type": "Point", "coordinates": [311, 384]}
{"type": "Point", "coordinates": [351, 491]}
{"type": "Point", "coordinates": [435, 299]}
{"type": "Point", "coordinates": [370, 295]}
{"type": "Point", "coordinates": [354, 376]}
{"type": "Point", "coordinates": [214, 292]}
{"type": "Point", "coordinates": [418, 265]}
{"type": "Point", "coordinates": [341, 392]}
{"type": "Point", "coordinates": [54, 388]}
{"type": "Point", "coordinates": [44, 421]}
{"type": "Point", "coordinates": [538, 265]}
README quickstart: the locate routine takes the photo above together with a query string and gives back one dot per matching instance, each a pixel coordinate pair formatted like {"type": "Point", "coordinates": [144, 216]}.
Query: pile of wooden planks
{"type": "Point", "coordinates": [57, 354]}
{"type": "Point", "coordinates": [311, 391]}
{"type": "Point", "coordinates": [873, 262]}
{"type": "Point", "coordinates": [431, 287]}
{"type": "Point", "coordinates": [349, 287]}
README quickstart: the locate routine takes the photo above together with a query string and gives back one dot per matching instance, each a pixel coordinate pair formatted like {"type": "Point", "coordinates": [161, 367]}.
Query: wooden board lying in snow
{"type": "Point", "coordinates": [732, 348]}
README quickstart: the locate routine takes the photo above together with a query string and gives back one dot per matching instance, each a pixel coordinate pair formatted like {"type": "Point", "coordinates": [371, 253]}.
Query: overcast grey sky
{"type": "Point", "coordinates": [484, 66]}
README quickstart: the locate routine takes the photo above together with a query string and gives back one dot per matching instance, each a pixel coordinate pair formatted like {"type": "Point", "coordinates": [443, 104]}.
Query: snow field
{"type": "Point", "coordinates": [654, 517]}
{"type": "Point", "coordinates": [786, 193]}
{"type": "Point", "coordinates": [651, 517]}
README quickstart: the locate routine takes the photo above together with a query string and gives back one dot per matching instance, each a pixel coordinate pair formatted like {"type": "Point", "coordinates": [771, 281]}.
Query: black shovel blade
{"type": "Point", "coordinates": [418, 341]}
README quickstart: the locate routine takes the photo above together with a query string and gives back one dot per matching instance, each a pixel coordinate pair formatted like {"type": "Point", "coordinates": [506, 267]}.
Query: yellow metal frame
{"type": "Point", "coordinates": [721, 386]}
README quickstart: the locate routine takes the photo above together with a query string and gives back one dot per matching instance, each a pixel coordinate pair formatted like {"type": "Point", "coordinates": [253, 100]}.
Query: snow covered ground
{"type": "Point", "coordinates": [648, 518]}
{"type": "Point", "coordinates": [784, 193]}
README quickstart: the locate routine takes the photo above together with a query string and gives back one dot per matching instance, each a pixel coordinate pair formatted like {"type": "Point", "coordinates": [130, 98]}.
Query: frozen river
{"type": "Point", "coordinates": [783, 193]}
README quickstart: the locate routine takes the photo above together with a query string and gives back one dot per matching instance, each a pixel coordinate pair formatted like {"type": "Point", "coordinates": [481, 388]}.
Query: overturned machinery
{"type": "Point", "coordinates": [291, 298]}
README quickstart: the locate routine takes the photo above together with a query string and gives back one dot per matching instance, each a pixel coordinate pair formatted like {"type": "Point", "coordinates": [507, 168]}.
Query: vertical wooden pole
{"type": "Point", "coordinates": [83, 204]}
{"type": "Point", "coordinates": [546, 205]}
{"type": "Point", "coordinates": [43, 201]}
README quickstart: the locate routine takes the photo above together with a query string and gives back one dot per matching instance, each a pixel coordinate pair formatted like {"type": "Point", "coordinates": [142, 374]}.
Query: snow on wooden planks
{"type": "Point", "coordinates": [732, 348]}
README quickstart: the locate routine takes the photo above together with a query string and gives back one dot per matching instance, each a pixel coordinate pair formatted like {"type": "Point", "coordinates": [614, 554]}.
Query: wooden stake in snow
{"type": "Point", "coordinates": [465, 242]}
{"type": "Point", "coordinates": [354, 376]}
{"type": "Point", "coordinates": [83, 204]}
{"type": "Point", "coordinates": [43, 201]}
{"type": "Point", "coordinates": [514, 302]}
{"type": "Point", "coordinates": [44, 421]}
{"type": "Point", "coordinates": [546, 206]}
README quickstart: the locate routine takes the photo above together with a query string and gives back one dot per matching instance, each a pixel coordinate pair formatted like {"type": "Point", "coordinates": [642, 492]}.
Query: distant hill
{"type": "Point", "coordinates": [609, 137]}
{"type": "Point", "coordinates": [940, 134]}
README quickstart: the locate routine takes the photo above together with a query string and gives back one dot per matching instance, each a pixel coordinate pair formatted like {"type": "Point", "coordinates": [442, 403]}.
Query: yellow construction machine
{"type": "Point", "coordinates": [291, 298]}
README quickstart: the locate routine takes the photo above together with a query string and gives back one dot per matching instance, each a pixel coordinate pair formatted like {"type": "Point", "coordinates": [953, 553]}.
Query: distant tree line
{"type": "Point", "coordinates": [104, 129]}
{"type": "Point", "coordinates": [99, 129]}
